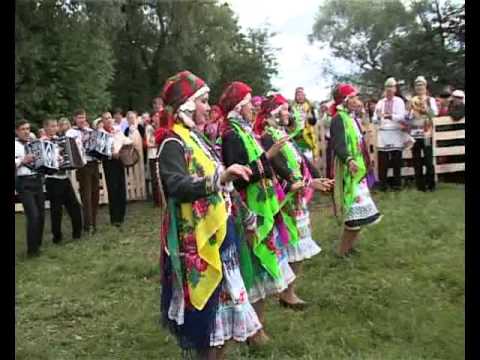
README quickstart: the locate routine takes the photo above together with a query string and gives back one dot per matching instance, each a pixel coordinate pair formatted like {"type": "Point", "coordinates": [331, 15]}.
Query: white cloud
{"type": "Point", "coordinates": [299, 62]}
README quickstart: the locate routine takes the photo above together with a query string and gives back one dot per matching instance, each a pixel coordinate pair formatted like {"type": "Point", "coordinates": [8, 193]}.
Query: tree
{"type": "Point", "coordinates": [95, 54]}
{"type": "Point", "coordinates": [62, 62]}
{"type": "Point", "coordinates": [424, 38]}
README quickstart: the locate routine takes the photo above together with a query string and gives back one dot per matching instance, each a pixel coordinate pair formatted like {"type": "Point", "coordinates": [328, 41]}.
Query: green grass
{"type": "Point", "coordinates": [402, 297]}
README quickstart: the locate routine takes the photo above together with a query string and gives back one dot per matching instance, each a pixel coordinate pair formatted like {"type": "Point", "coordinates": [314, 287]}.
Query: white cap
{"type": "Point", "coordinates": [390, 82]}
{"type": "Point", "coordinates": [421, 79]}
{"type": "Point", "coordinates": [458, 94]}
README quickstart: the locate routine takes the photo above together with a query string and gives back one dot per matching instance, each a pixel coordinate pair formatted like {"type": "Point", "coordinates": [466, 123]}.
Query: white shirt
{"type": "Point", "coordinates": [22, 170]}
{"type": "Point", "coordinates": [119, 139]}
{"type": "Point", "coordinates": [397, 112]}
{"type": "Point", "coordinates": [79, 136]}
{"type": "Point", "coordinates": [390, 135]}
{"type": "Point", "coordinates": [122, 126]}
{"type": "Point", "coordinates": [150, 136]}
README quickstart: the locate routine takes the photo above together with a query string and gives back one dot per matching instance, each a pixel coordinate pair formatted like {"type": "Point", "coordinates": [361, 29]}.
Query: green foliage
{"type": "Point", "coordinates": [118, 53]}
{"type": "Point", "coordinates": [62, 62]}
{"type": "Point", "coordinates": [401, 297]}
{"type": "Point", "coordinates": [387, 38]}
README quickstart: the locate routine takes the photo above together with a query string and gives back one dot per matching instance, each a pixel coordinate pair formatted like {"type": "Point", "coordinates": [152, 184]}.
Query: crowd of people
{"type": "Point", "coordinates": [403, 122]}
{"type": "Point", "coordinates": [233, 182]}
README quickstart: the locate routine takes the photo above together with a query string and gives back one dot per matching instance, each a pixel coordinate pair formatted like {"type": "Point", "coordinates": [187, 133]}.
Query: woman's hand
{"type": "Point", "coordinates": [235, 171]}
{"type": "Point", "coordinates": [275, 149]}
{"type": "Point", "coordinates": [297, 186]}
{"type": "Point", "coordinates": [352, 166]}
{"type": "Point", "coordinates": [323, 184]}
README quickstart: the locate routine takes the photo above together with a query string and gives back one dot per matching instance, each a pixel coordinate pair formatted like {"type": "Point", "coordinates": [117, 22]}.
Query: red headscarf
{"type": "Point", "coordinates": [268, 105]}
{"type": "Point", "coordinates": [232, 95]}
{"type": "Point", "coordinates": [176, 91]}
{"type": "Point", "coordinates": [340, 92]}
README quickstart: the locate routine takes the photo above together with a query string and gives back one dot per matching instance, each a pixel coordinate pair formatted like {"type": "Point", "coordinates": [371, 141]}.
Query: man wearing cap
{"type": "Point", "coordinates": [456, 108]}
{"type": "Point", "coordinates": [423, 109]}
{"type": "Point", "coordinates": [390, 115]}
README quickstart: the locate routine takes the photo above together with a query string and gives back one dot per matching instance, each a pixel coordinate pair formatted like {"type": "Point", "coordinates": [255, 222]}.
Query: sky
{"type": "Point", "coordinates": [300, 63]}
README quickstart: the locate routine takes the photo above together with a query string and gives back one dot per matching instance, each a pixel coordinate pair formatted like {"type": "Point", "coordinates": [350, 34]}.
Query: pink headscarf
{"type": "Point", "coordinates": [257, 100]}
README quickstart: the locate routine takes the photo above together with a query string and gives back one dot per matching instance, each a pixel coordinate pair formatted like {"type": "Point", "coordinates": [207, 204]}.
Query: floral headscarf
{"type": "Point", "coordinates": [234, 96]}
{"type": "Point", "coordinates": [179, 94]}
{"type": "Point", "coordinates": [270, 105]}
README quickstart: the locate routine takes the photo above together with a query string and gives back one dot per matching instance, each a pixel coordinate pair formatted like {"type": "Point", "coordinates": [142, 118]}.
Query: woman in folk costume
{"type": "Point", "coordinates": [270, 272]}
{"type": "Point", "coordinates": [136, 133]}
{"type": "Point", "coordinates": [352, 198]}
{"type": "Point", "coordinates": [204, 300]}
{"type": "Point", "coordinates": [212, 127]}
{"type": "Point", "coordinates": [303, 129]}
{"type": "Point", "coordinates": [300, 179]}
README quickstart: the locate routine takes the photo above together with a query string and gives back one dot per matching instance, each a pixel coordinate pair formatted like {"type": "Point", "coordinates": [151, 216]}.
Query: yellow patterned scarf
{"type": "Point", "coordinates": [209, 228]}
{"type": "Point", "coordinates": [308, 133]}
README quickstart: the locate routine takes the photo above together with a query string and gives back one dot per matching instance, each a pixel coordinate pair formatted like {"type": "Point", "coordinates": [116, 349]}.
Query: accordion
{"type": "Point", "coordinates": [70, 153]}
{"type": "Point", "coordinates": [99, 145]}
{"type": "Point", "coordinates": [45, 153]}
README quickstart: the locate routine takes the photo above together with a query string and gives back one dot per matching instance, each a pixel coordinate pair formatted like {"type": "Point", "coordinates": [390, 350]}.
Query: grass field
{"type": "Point", "coordinates": [401, 297]}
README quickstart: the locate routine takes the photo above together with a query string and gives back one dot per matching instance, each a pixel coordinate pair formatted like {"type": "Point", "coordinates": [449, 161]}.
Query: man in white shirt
{"type": "Point", "coordinates": [115, 173]}
{"type": "Point", "coordinates": [29, 186]}
{"type": "Point", "coordinates": [88, 176]}
{"type": "Point", "coordinates": [120, 122]}
{"type": "Point", "coordinates": [60, 193]}
{"type": "Point", "coordinates": [390, 115]}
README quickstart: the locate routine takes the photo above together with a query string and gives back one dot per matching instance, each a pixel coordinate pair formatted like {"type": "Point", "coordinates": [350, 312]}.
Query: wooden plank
{"type": "Point", "coordinates": [439, 151]}
{"type": "Point", "coordinates": [449, 150]}
{"type": "Point", "coordinates": [407, 154]}
{"type": "Point", "coordinates": [449, 135]}
{"type": "Point", "coordinates": [439, 169]}
{"type": "Point", "coordinates": [406, 171]}
{"type": "Point", "coordinates": [448, 168]}
{"type": "Point", "coordinates": [103, 186]}
{"type": "Point", "coordinates": [371, 134]}
{"type": "Point", "coordinates": [447, 120]}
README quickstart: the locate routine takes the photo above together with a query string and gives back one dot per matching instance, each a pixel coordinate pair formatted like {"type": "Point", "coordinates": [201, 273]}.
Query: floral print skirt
{"type": "Point", "coordinates": [235, 318]}
{"type": "Point", "coordinates": [306, 247]}
{"type": "Point", "coordinates": [363, 211]}
{"type": "Point", "coordinates": [264, 285]}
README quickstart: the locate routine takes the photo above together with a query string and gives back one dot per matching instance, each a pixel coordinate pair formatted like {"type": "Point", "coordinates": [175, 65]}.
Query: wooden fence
{"type": "Point", "coordinates": [134, 178]}
{"type": "Point", "coordinates": [442, 133]}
